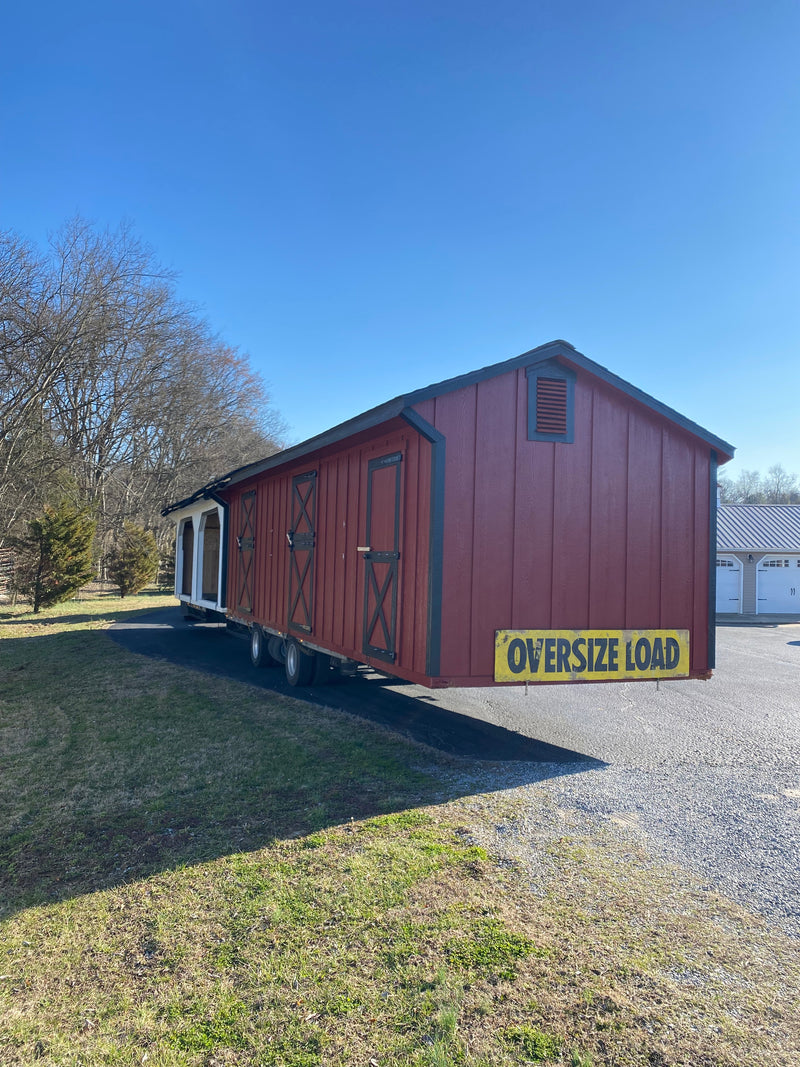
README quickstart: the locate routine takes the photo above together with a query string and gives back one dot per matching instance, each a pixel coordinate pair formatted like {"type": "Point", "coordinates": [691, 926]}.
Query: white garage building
{"type": "Point", "coordinates": [758, 559]}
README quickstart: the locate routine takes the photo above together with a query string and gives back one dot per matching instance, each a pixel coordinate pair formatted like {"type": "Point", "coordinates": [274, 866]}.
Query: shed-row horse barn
{"type": "Point", "coordinates": [539, 520]}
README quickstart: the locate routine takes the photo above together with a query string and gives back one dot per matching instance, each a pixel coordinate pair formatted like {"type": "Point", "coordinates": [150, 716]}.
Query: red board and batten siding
{"type": "Point", "coordinates": [338, 598]}
{"type": "Point", "coordinates": [610, 531]}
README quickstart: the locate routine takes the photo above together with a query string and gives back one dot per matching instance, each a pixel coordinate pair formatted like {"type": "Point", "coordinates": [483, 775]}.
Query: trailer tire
{"type": "Point", "coordinates": [259, 655]}
{"type": "Point", "coordinates": [299, 665]}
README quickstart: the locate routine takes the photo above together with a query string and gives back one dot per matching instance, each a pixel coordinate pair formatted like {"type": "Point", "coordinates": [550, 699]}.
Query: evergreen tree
{"type": "Point", "coordinates": [55, 559]}
{"type": "Point", "coordinates": [133, 561]}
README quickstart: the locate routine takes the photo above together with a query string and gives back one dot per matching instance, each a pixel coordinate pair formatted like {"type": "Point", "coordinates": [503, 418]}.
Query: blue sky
{"type": "Point", "coordinates": [368, 197]}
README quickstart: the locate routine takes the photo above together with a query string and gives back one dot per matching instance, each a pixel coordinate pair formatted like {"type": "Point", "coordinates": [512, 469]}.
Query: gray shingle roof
{"type": "Point", "coordinates": [758, 528]}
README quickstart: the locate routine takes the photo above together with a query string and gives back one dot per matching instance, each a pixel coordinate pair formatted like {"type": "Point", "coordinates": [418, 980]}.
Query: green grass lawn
{"type": "Point", "coordinates": [196, 872]}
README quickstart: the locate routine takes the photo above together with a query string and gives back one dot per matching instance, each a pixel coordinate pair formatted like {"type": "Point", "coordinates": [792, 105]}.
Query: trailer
{"type": "Point", "coordinates": [539, 520]}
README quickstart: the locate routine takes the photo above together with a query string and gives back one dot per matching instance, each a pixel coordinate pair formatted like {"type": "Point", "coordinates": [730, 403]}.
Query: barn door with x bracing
{"type": "Point", "coordinates": [245, 541]}
{"type": "Point", "coordinates": [301, 537]}
{"type": "Point", "coordinates": [381, 556]}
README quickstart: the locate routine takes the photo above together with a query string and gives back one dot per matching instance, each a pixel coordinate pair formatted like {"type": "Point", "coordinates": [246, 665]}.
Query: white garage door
{"type": "Point", "coordinates": [778, 585]}
{"type": "Point", "coordinates": [729, 584]}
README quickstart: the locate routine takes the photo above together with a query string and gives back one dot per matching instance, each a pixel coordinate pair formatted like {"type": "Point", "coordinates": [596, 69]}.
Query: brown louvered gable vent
{"type": "Point", "coordinates": [551, 405]}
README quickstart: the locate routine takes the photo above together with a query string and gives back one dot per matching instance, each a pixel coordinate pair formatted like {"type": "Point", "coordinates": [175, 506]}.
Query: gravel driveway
{"type": "Point", "coordinates": [708, 773]}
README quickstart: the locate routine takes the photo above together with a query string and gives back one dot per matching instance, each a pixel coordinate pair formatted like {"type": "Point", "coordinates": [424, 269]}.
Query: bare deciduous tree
{"type": "Point", "coordinates": [29, 457]}
{"type": "Point", "coordinates": [776, 487]}
{"type": "Point", "coordinates": [780, 487]}
{"type": "Point", "coordinates": [112, 389]}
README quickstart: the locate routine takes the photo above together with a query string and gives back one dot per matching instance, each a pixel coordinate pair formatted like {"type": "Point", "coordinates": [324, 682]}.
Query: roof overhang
{"type": "Point", "coordinates": [208, 492]}
{"type": "Point", "coordinates": [395, 408]}
{"type": "Point", "coordinates": [770, 550]}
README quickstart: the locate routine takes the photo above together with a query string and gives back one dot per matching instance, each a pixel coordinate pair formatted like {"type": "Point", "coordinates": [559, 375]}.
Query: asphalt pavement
{"type": "Point", "coordinates": [705, 774]}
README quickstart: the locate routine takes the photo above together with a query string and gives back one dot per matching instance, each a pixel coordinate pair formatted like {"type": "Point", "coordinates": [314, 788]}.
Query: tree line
{"type": "Point", "coordinates": [777, 486]}
{"type": "Point", "coordinates": [116, 395]}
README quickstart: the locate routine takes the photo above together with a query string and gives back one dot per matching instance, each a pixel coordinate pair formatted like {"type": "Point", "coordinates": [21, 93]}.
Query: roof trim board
{"type": "Point", "coordinates": [563, 349]}
{"type": "Point", "coordinates": [396, 407]}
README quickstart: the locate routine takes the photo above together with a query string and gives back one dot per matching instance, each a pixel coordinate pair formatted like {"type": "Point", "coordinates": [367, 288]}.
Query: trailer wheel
{"type": "Point", "coordinates": [299, 665]}
{"type": "Point", "coordinates": [259, 656]}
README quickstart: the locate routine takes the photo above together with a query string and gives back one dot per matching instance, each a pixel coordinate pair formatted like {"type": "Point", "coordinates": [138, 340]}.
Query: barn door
{"type": "Point", "coordinates": [301, 536]}
{"type": "Point", "coordinates": [381, 555]}
{"type": "Point", "coordinates": [246, 540]}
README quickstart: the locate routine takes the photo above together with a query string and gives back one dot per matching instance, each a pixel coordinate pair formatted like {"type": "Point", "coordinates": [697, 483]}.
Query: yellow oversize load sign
{"type": "Point", "coordinates": [589, 655]}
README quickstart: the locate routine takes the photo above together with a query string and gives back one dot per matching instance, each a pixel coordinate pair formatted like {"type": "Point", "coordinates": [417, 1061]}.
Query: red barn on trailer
{"type": "Point", "coordinates": [539, 520]}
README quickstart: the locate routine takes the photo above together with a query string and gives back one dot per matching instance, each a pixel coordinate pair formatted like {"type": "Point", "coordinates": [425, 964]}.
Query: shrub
{"type": "Point", "coordinates": [133, 561]}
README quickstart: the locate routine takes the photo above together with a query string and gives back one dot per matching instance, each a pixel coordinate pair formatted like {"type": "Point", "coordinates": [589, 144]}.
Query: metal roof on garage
{"type": "Point", "coordinates": [758, 528]}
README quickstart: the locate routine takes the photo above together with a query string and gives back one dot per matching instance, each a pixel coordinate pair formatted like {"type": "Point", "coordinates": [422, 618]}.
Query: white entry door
{"type": "Point", "coordinates": [778, 585]}
{"type": "Point", "coordinates": [729, 584]}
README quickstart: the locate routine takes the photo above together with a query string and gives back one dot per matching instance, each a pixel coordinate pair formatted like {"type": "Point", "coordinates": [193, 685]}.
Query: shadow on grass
{"type": "Point", "coordinates": [409, 710]}
{"type": "Point", "coordinates": [117, 768]}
